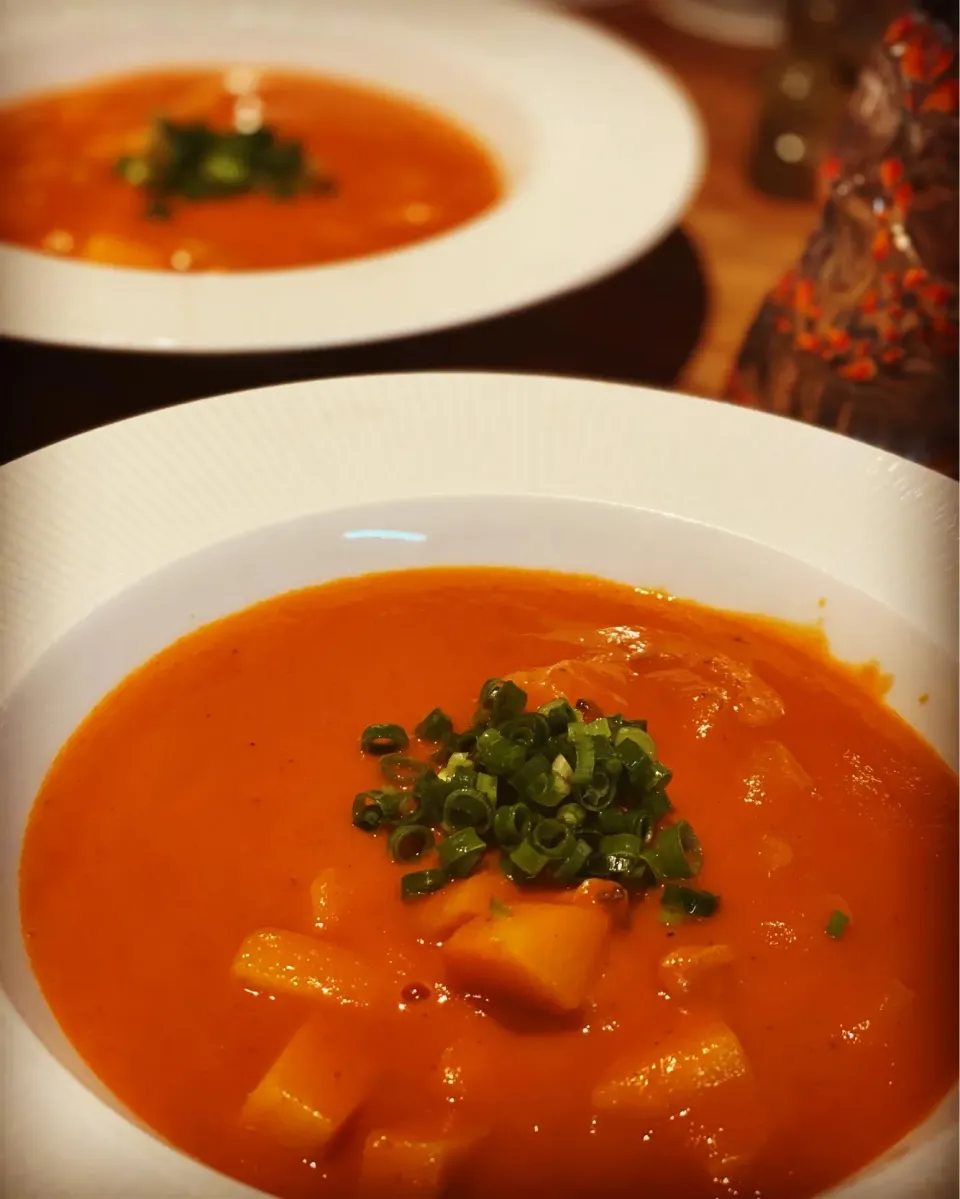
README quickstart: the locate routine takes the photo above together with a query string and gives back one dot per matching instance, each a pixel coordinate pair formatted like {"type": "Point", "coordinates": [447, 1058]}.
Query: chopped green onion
{"type": "Point", "coordinates": [456, 761]}
{"type": "Point", "coordinates": [486, 784]}
{"type": "Point", "coordinates": [528, 859]}
{"type": "Point", "coordinates": [572, 814]}
{"type": "Point", "coordinates": [530, 730]}
{"type": "Point", "coordinates": [497, 755]}
{"type": "Point", "coordinates": [837, 924]}
{"type": "Point", "coordinates": [383, 739]}
{"type": "Point", "coordinates": [567, 870]}
{"type": "Point", "coordinates": [552, 838]}
{"type": "Point", "coordinates": [402, 771]}
{"type": "Point", "coordinates": [676, 852]}
{"type": "Point", "coordinates": [511, 824]}
{"type": "Point", "coordinates": [466, 808]}
{"type": "Point", "coordinates": [460, 853]}
{"type": "Point", "coordinates": [534, 782]}
{"type": "Point", "coordinates": [409, 842]}
{"type": "Point", "coordinates": [422, 882]}
{"type": "Point", "coordinates": [598, 727]}
{"type": "Point", "coordinates": [564, 793]}
{"type": "Point", "coordinates": [498, 909]}
{"type": "Point", "coordinates": [558, 714]}
{"type": "Point", "coordinates": [640, 737]}
{"type": "Point", "coordinates": [689, 900]}
{"type": "Point", "coordinates": [508, 700]}
{"type": "Point", "coordinates": [368, 810]}
{"type": "Point", "coordinates": [435, 726]}
{"type": "Point", "coordinates": [584, 752]}
{"type": "Point", "coordinates": [562, 773]}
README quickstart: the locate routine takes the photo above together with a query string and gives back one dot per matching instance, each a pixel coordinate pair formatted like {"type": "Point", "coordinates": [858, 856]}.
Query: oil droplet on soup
{"type": "Point", "coordinates": [231, 955]}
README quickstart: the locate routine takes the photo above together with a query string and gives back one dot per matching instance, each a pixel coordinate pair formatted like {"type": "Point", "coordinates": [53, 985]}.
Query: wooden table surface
{"type": "Point", "coordinates": [673, 318]}
{"type": "Point", "coordinates": [745, 239]}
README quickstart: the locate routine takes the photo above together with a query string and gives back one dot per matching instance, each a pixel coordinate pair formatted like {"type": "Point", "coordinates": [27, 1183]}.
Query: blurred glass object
{"type": "Point", "coordinates": [805, 88]}
{"type": "Point", "coordinates": [861, 335]}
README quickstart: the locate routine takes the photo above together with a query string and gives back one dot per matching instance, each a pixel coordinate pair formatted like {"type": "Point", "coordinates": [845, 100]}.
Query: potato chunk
{"type": "Point", "coordinates": [290, 963]}
{"type": "Point", "coordinates": [312, 1089]}
{"type": "Point", "coordinates": [544, 954]}
{"type": "Point", "coordinates": [443, 913]}
{"type": "Point", "coordinates": [683, 968]}
{"type": "Point", "coordinates": [401, 1166]}
{"type": "Point", "coordinates": [662, 1082]}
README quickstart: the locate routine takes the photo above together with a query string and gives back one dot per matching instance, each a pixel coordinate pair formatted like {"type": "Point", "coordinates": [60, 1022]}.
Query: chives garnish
{"type": "Point", "coordinates": [190, 161]}
{"type": "Point", "coordinates": [422, 882]}
{"type": "Point", "coordinates": [409, 842]}
{"type": "Point", "coordinates": [436, 726]}
{"type": "Point", "coordinates": [460, 853]}
{"type": "Point", "coordinates": [561, 794]}
{"type": "Point", "coordinates": [383, 739]}
{"type": "Point", "coordinates": [679, 898]}
{"type": "Point", "coordinates": [837, 924]}
{"type": "Point", "coordinates": [466, 808]}
{"type": "Point", "coordinates": [676, 852]}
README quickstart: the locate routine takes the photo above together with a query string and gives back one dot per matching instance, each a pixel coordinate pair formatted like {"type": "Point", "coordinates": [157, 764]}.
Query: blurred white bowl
{"type": "Point", "coordinates": [599, 148]}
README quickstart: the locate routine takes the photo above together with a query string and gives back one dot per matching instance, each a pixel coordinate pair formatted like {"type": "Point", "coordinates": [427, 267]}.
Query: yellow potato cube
{"type": "Point", "coordinates": [664, 1081]}
{"type": "Point", "coordinates": [408, 1168]}
{"type": "Point", "coordinates": [291, 963]}
{"type": "Point", "coordinates": [443, 913]}
{"type": "Point", "coordinates": [683, 968]}
{"type": "Point", "coordinates": [545, 954]}
{"type": "Point", "coordinates": [312, 1089]}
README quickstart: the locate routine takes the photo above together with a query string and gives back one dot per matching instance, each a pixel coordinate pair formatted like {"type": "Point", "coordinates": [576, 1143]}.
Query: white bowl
{"type": "Point", "coordinates": [118, 541]}
{"type": "Point", "coordinates": [600, 151]}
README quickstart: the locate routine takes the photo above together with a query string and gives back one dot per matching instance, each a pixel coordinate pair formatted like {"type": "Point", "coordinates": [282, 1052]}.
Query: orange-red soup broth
{"type": "Point", "coordinates": [402, 172]}
{"type": "Point", "coordinates": [233, 958]}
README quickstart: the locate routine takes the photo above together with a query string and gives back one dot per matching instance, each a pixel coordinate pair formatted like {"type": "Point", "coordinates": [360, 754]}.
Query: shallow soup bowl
{"type": "Point", "coordinates": [117, 542]}
{"type": "Point", "coordinates": [597, 149]}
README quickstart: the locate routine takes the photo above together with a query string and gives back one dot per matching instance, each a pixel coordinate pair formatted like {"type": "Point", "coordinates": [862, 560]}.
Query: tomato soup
{"type": "Point", "coordinates": [224, 940]}
{"type": "Point", "coordinates": [398, 172]}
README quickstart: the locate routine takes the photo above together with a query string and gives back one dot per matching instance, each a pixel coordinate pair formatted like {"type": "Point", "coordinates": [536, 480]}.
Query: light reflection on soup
{"type": "Point", "coordinates": [232, 957]}
{"type": "Point", "coordinates": [402, 172]}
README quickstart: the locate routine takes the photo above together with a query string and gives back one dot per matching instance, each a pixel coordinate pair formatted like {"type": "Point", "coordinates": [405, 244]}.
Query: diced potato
{"type": "Point", "coordinates": [443, 913]}
{"type": "Point", "coordinates": [545, 954]}
{"type": "Point", "coordinates": [329, 899]}
{"type": "Point", "coordinates": [120, 251]}
{"type": "Point", "coordinates": [666, 1080]}
{"type": "Point", "coordinates": [290, 963]}
{"type": "Point", "coordinates": [401, 1166]}
{"type": "Point", "coordinates": [312, 1089]}
{"type": "Point", "coordinates": [683, 968]}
